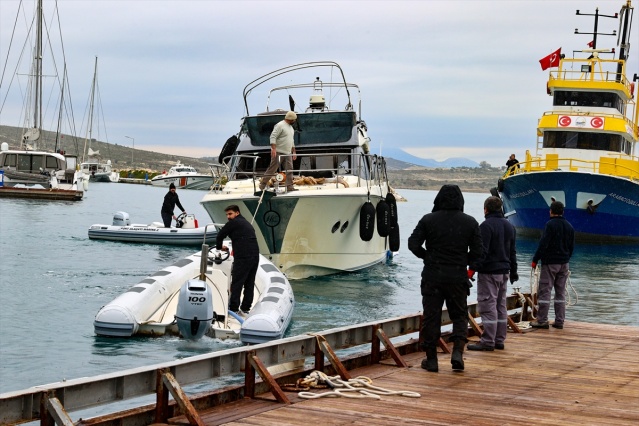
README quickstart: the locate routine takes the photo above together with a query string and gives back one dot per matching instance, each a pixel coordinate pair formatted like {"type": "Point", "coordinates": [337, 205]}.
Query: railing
{"type": "Point", "coordinates": [366, 167]}
{"type": "Point", "coordinates": [100, 391]}
{"type": "Point", "coordinates": [605, 165]}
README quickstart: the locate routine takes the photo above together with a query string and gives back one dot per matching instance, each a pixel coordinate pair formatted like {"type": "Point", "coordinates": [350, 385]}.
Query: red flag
{"type": "Point", "coordinates": [591, 43]}
{"type": "Point", "coordinates": [551, 60]}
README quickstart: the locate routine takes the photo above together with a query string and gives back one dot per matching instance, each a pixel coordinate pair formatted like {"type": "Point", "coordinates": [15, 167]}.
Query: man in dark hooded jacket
{"type": "Point", "coordinates": [498, 264]}
{"type": "Point", "coordinates": [452, 242]}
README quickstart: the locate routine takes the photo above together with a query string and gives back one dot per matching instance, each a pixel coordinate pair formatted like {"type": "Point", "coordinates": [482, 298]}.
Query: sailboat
{"type": "Point", "coordinates": [31, 173]}
{"type": "Point", "coordinates": [97, 170]}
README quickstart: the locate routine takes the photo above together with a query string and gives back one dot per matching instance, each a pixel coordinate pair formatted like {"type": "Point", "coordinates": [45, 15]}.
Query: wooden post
{"type": "Point", "coordinates": [181, 399]}
{"type": "Point", "coordinates": [161, 397]}
{"type": "Point", "coordinates": [476, 328]}
{"type": "Point", "coordinates": [332, 357]}
{"type": "Point", "coordinates": [249, 376]}
{"type": "Point", "coordinates": [375, 349]}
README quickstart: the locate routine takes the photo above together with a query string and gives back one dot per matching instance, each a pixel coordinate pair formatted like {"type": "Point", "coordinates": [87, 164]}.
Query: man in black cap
{"type": "Point", "coordinates": [171, 199]}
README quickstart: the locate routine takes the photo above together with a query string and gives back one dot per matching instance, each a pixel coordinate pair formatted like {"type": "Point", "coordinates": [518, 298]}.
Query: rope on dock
{"type": "Point", "coordinates": [358, 387]}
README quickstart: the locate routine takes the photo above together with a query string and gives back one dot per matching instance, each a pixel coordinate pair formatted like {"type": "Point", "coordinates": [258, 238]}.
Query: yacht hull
{"type": "Point", "coordinates": [308, 232]}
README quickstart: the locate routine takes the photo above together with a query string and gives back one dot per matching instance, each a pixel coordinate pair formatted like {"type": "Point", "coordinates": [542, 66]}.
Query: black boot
{"type": "Point", "coordinates": [430, 362]}
{"type": "Point", "coordinates": [457, 359]}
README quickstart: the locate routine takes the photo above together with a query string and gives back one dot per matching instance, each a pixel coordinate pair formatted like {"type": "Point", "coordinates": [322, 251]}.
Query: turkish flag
{"type": "Point", "coordinates": [591, 43]}
{"type": "Point", "coordinates": [551, 60]}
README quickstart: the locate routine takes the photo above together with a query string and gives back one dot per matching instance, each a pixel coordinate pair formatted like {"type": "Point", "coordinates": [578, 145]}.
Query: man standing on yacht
{"type": "Point", "coordinates": [246, 255]}
{"type": "Point", "coordinates": [282, 143]}
{"type": "Point", "coordinates": [171, 199]}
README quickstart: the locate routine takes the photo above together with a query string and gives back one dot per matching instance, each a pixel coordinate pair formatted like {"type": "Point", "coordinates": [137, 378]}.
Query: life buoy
{"type": "Point", "coordinates": [366, 221]}
{"type": "Point", "coordinates": [393, 238]}
{"type": "Point", "coordinates": [392, 204]}
{"type": "Point", "coordinates": [229, 148]}
{"type": "Point", "coordinates": [382, 212]}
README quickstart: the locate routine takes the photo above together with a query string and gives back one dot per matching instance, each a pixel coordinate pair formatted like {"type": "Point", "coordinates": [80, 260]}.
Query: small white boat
{"type": "Point", "coordinates": [99, 172]}
{"type": "Point", "coordinates": [187, 233]}
{"type": "Point", "coordinates": [186, 177]}
{"type": "Point", "coordinates": [152, 305]}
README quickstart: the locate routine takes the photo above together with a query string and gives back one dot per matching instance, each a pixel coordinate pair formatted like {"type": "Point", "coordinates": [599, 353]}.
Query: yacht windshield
{"type": "Point", "coordinates": [319, 128]}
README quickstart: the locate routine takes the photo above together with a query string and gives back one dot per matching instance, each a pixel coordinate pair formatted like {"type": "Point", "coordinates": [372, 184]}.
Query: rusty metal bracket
{"type": "Point", "coordinates": [332, 357]}
{"type": "Point", "coordinates": [391, 348]}
{"type": "Point", "coordinates": [258, 365]}
{"type": "Point", "coordinates": [166, 381]}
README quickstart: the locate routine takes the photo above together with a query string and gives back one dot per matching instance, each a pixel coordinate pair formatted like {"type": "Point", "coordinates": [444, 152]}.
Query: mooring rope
{"type": "Point", "coordinates": [359, 387]}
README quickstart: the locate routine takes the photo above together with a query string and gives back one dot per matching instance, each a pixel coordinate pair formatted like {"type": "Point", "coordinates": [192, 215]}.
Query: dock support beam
{"type": "Point", "coordinates": [166, 382]}
{"type": "Point", "coordinates": [253, 364]}
{"type": "Point", "coordinates": [379, 336]}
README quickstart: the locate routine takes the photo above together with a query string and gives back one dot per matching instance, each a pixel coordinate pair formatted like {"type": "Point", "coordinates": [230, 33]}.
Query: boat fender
{"type": "Point", "coordinates": [494, 192]}
{"type": "Point", "coordinates": [366, 221]}
{"type": "Point", "coordinates": [393, 238]}
{"type": "Point", "coordinates": [229, 148]}
{"type": "Point", "coordinates": [383, 218]}
{"type": "Point", "coordinates": [500, 185]}
{"type": "Point", "coordinates": [392, 204]}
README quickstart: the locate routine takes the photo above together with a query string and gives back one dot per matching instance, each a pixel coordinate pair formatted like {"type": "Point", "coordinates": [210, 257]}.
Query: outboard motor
{"type": "Point", "coordinates": [121, 219]}
{"type": "Point", "coordinates": [194, 310]}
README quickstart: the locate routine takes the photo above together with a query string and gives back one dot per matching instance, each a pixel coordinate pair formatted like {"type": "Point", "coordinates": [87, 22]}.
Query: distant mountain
{"type": "Point", "coordinates": [401, 155]}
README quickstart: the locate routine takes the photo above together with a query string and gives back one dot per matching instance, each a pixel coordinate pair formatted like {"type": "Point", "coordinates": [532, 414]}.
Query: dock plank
{"type": "Point", "coordinates": [585, 374]}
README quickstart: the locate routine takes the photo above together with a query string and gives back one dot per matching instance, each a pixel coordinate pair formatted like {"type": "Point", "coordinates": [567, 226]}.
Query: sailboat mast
{"type": "Point", "coordinates": [90, 125]}
{"type": "Point", "coordinates": [37, 115]}
{"type": "Point", "coordinates": [58, 145]}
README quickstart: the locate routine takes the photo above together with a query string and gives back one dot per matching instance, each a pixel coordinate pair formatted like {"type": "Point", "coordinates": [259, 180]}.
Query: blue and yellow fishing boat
{"type": "Point", "coordinates": [587, 146]}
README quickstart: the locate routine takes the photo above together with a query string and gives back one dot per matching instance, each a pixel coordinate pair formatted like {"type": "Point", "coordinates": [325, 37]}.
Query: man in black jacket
{"type": "Point", "coordinates": [555, 250]}
{"type": "Point", "coordinates": [246, 258]}
{"type": "Point", "coordinates": [498, 263]}
{"type": "Point", "coordinates": [452, 242]}
{"type": "Point", "coordinates": [171, 199]}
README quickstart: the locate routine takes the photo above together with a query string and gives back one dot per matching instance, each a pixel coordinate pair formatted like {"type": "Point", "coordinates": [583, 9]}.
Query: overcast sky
{"type": "Point", "coordinates": [439, 79]}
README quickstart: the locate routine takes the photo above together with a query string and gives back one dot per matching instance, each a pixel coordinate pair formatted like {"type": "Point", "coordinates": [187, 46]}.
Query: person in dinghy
{"type": "Point", "coordinates": [246, 258]}
{"type": "Point", "coordinates": [171, 199]}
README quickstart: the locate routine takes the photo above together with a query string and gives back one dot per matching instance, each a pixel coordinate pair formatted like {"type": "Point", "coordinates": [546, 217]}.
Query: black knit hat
{"type": "Point", "coordinates": [172, 186]}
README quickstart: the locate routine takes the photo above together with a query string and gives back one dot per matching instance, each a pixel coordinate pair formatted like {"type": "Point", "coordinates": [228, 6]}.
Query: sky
{"type": "Point", "coordinates": [439, 79]}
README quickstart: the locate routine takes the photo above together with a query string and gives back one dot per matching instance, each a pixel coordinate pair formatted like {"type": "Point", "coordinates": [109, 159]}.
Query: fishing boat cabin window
{"type": "Point", "coordinates": [586, 140]}
{"type": "Point", "coordinates": [589, 99]}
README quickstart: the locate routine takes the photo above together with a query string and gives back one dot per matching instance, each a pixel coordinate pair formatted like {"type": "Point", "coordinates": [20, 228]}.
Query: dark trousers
{"type": "Point", "coordinates": [243, 277]}
{"type": "Point", "coordinates": [166, 218]}
{"type": "Point", "coordinates": [433, 297]}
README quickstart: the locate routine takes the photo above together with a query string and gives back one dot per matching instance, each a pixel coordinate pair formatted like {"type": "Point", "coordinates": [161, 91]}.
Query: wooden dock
{"type": "Point", "coordinates": [585, 374]}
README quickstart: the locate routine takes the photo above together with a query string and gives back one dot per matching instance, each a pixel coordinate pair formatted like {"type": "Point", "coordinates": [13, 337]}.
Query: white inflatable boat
{"type": "Point", "coordinates": [187, 233]}
{"type": "Point", "coordinates": [153, 306]}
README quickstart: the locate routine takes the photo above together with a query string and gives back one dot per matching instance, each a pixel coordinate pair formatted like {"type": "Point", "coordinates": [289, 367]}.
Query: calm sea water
{"type": "Point", "coordinates": [53, 280]}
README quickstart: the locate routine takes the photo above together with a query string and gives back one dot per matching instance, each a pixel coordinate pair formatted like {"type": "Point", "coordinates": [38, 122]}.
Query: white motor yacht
{"type": "Point", "coordinates": [342, 214]}
{"type": "Point", "coordinates": [185, 177]}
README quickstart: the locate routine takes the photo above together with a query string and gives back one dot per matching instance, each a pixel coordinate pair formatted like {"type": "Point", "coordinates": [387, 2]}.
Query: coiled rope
{"type": "Point", "coordinates": [359, 387]}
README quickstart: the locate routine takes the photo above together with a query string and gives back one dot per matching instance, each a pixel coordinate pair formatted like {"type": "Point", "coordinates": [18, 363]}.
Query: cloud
{"type": "Point", "coordinates": [451, 78]}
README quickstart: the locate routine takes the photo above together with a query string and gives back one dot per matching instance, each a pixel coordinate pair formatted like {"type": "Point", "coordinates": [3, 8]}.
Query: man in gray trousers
{"type": "Point", "coordinates": [497, 264]}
